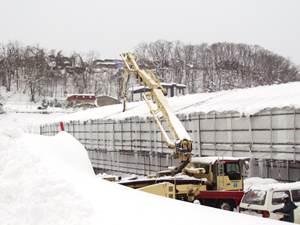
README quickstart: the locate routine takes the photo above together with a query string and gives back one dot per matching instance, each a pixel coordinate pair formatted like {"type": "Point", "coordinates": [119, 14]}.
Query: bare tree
{"type": "Point", "coordinates": [92, 72]}
{"type": "Point", "coordinates": [10, 62]}
{"type": "Point", "coordinates": [34, 69]}
{"type": "Point", "coordinates": [159, 54]}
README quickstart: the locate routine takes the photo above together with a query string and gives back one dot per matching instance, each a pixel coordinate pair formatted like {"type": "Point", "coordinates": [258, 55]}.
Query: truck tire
{"type": "Point", "coordinates": [225, 205]}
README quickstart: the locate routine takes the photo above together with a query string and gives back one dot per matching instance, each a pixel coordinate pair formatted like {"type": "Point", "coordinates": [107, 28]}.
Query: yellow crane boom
{"type": "Point", "coordinates": [181, 142]}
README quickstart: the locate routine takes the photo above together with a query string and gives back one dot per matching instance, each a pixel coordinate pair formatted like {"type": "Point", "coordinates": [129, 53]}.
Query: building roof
{"type": "Point", "coordinates": [172, 84]}
{"type": "Point", "coordinates": [81, 97]}
{"type": "Point", "coordinates": [104, 100]}
{"type": "Point", "coordinates": [109, 63]}
{"type": "Point", "coordinates": [243, 101]}
{"type": "Point", "coordinates": [106, 96]}
{"type": "Point", "coordinates": [139, 89]}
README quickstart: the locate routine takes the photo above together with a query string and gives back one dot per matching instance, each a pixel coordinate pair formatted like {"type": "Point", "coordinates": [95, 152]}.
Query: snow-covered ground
{"type": "Point", "coordinates": [25, 120]}
{"type": "Point", "coordinates": [49, 180]}
{"type": "Point", "coordinates": [21, 113]}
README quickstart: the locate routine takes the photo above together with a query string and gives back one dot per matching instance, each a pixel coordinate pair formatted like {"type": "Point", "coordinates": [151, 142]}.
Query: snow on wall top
{"type": "Point", "coordinates": [244, 101]}
{"type": "Point", "coordinates": [213, 159]}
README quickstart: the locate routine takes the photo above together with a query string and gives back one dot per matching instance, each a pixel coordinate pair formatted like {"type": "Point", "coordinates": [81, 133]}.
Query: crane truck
{"type": "Point", "coordinates": [214, 181]}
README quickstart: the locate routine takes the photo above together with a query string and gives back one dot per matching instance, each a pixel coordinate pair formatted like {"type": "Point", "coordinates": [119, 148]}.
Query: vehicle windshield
{"type": "Point", "coordinates": [255, 197]}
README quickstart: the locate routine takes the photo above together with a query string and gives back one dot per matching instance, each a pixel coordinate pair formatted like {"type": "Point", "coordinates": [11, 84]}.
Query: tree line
{"type": "Point", "coordinates": [202, 68]}
{"type": "Point", "coordinates": [215, 67]}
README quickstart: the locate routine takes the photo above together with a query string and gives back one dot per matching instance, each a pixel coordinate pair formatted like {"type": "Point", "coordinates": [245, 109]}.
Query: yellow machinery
{"type": "Point", "coordinates": [183, 144]}
{"type": "Point", "coordinates": [196, 175]}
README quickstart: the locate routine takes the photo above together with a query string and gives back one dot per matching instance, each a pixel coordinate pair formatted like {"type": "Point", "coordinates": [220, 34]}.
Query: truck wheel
{"type": "Point", "coordinates": [225, 205]}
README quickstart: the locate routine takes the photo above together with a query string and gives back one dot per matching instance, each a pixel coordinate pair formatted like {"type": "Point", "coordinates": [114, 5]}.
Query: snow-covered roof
{"type": "Point", "coordinates": [81, 96]}
{"type": "Point", "coordinates": [276, 186]}
{"type": "Point", "coordinates": [139, 88]}
{"type": "Point", "coordinates": [249, 182]}
{"type": "Point", "coordinates": [165, 85]}
{"type": "Point", "coordinates": [244, 101]}
{"type": "Point", "coordinates": [212, 160]}
{"type": "Point", "coordinates": [172, 84]}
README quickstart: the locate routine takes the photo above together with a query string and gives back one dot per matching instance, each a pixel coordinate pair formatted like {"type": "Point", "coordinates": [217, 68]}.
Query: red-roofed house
{"type": "Point", "coordinates": [80, 99]}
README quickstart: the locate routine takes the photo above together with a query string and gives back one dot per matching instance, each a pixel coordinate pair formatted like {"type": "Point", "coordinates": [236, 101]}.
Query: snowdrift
{"type": "Point", "coordinates": [49, 180]}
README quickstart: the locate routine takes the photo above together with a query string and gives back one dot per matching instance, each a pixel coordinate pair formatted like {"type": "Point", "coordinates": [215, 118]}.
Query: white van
{"type": "Point", "coordinates": [261, 200]}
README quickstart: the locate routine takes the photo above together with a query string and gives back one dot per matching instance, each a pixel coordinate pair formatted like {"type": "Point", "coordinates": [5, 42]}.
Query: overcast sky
{"type": "Point", "coordinates": [111, 27]}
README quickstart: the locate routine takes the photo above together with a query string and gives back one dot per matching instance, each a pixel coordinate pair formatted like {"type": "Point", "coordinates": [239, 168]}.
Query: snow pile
{"type": "Point", "coordinates": [49, 180]}
{"type": "Point", "coordinates": [31, 193]}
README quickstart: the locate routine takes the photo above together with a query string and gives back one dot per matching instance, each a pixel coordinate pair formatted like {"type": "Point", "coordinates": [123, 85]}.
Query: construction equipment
{"type": "Point", "coordinates": [182, 145]}
{"type": "Point", "coordinates": [224, 185]}
{"type": "Point", "coordinates": [192, 178]}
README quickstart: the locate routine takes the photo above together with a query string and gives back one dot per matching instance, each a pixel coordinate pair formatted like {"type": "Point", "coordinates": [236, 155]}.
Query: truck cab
{"type": "Point", "coordinates": [222, 173]}
{"type": "Point", "coordinates": [224, 180]}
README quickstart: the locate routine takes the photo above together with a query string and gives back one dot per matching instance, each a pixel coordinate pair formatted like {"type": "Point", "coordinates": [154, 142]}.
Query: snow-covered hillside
{"type": "Point", "coordinates": [20, 112]}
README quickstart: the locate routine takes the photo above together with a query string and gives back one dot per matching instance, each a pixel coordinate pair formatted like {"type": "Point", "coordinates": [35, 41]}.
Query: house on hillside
{"type": "Point", "coordinates": [103, 100]}
{"type": "Point", "coordinates": [77, 99]}
{"type": "Point", "coordinates": [172, 88]}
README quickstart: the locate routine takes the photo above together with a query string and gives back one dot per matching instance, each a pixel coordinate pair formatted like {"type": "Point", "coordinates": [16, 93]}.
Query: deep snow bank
{"type": "Point", "coordinates": [32, 190]}
{"type": "Point", "coordinates": [49, 180]}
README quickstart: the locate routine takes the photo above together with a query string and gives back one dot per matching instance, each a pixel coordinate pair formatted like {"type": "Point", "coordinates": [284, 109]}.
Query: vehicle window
{"type": "Point", "coordinates": [296, 195]}
{"type": "Point", "coordinates": [232, 167]}
{"type": "Point", "coordinates": [255, 197]}
{"type": "Point", "coordinates": [232, 170]}
{"type": "Point", "coordinates": [276, 197]}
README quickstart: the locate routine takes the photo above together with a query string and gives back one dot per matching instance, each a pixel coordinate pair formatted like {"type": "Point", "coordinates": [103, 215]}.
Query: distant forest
{"type": "Point", "coordinates": [202, 68]}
